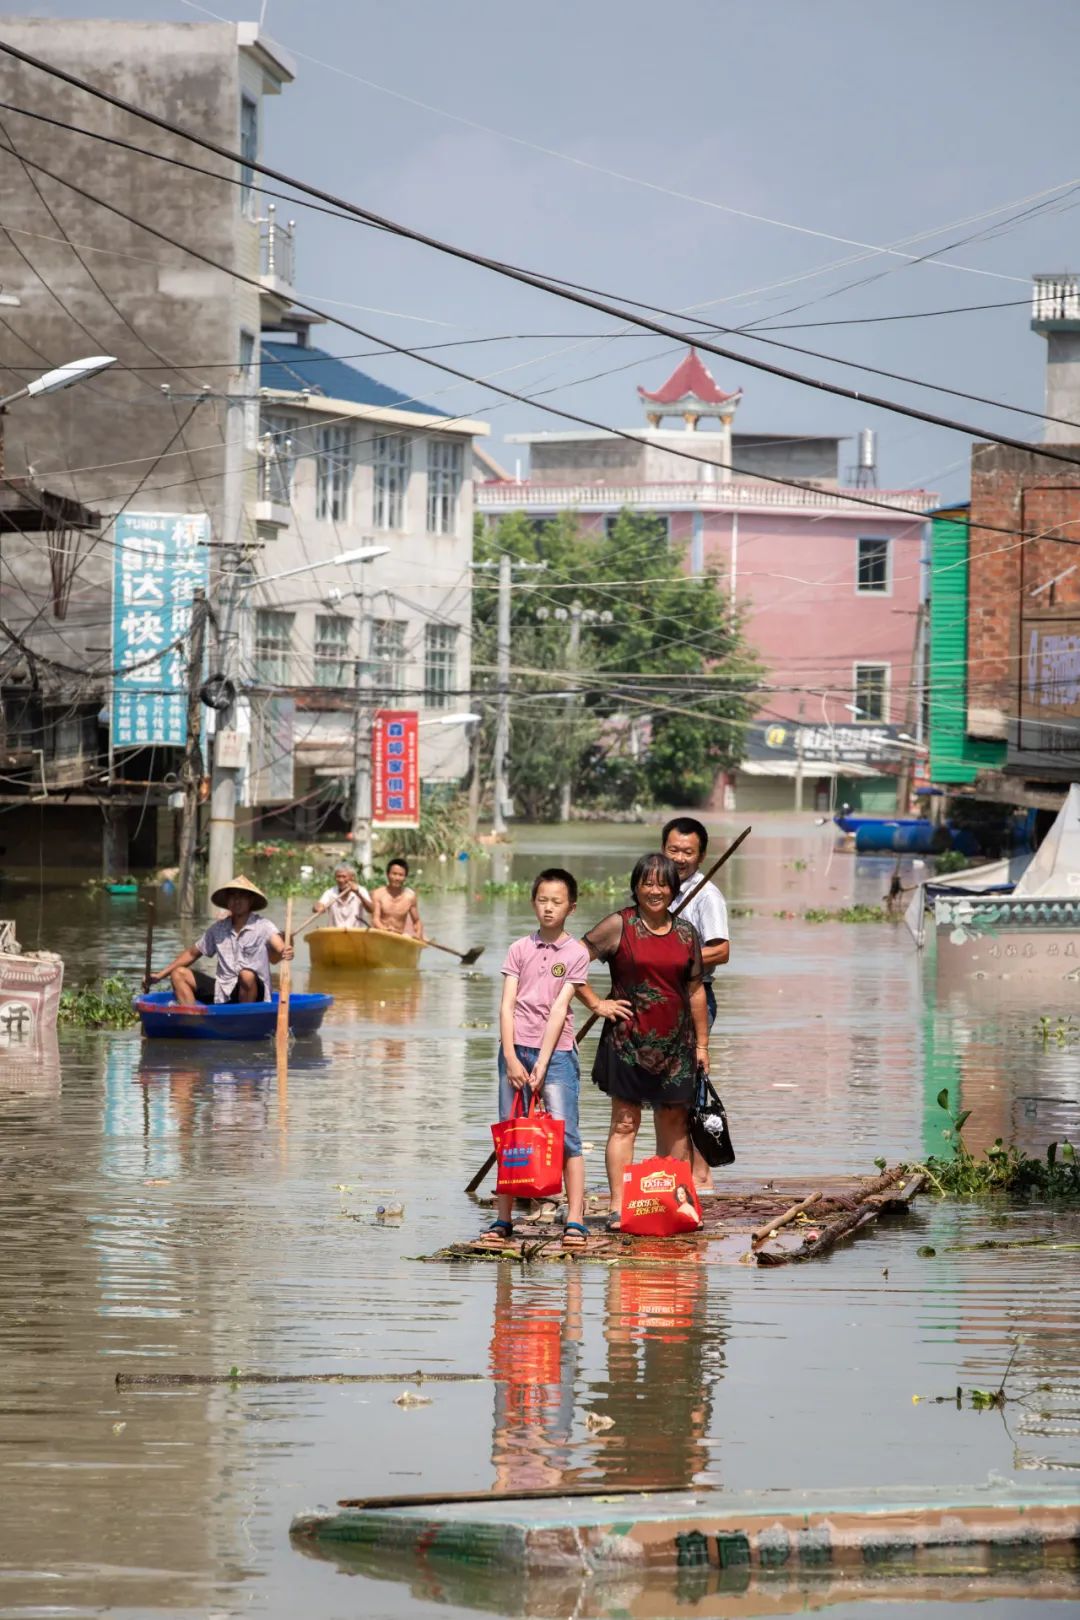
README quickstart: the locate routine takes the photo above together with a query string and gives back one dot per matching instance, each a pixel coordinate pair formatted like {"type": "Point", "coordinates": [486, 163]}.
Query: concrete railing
{"type": "Point", "coordinates": [277, 247]}
{"type": "Point", "coordinates": [531, 497]}
{"type": "Point", "coordinates": [1055, 298]}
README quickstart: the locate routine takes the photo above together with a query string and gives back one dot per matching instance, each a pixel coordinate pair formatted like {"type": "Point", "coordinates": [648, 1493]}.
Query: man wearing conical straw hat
{"type": "Point", "coordinates": [243, 944]}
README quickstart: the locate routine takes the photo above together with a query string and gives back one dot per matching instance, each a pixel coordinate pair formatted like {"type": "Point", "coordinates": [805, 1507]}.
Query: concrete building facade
{"type": "Point", "coordinates": [197, 416]}
{"type": "Point", "coordinates": [348, 462]}
{"type": "Point", "coordinates": [157, 432]}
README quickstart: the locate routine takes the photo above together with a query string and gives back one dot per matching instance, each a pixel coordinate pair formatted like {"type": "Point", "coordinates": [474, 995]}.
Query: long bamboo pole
{"type": "Point", "coordinates": [284, 987]}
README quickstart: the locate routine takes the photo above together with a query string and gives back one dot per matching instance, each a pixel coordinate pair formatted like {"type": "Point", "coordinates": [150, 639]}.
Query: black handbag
{"type": "Point", "coordinates": [709, 1130]}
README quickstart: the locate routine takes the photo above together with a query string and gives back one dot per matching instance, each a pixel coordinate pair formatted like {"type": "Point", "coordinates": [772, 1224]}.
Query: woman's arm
{"type": "Point", "coordinates": [699, 1012]}
{"type": "Point", "coordinates": [516, 1072]}
{"type": "Point", "coordinates": [601, 1007]}
{"type": "Point", "coordinates": [552, 1030]}
{"type": "Point", "coordinates": [277, 950]}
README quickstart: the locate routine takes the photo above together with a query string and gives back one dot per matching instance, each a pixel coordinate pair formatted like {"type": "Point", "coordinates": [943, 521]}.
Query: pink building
{"type": "Point", "coordinates": [829, 587]}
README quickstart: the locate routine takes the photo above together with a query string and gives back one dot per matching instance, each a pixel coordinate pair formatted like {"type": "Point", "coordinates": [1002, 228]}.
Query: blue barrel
{"type": "Point", "coordinates": [900, 838]}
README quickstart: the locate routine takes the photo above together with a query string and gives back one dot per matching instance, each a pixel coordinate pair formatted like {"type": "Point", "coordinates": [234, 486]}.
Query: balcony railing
{"type": "Point", "coordinates": [531, 497]}
{"type": "Point", "coordinates": [1056, 298]}
{"type": "Point", "coordinates": [277, 247]}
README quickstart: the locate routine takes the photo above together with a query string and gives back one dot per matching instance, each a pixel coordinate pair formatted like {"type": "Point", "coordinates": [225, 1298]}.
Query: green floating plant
{"type": "Point", "coordinates": [1000, 1169]}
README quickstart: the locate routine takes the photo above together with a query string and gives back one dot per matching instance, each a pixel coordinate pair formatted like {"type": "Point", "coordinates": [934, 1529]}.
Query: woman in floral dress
{"type": "Point", "coordinates": [658, 1030]}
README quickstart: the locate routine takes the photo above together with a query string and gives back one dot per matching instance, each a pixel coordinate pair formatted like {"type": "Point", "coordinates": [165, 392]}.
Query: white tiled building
{"type": "Point", "coordinates": [349, 462]}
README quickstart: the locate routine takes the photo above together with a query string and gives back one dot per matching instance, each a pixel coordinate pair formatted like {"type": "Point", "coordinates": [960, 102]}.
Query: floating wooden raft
{"type": "Point", "coordinates": [745, 1224]}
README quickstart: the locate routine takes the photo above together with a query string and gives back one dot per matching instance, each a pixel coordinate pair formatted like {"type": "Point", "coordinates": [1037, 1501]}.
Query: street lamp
{"type": "Point", "coordinates": [361, 555]}
{"type": "Point", "coordinates": [50, 382]}
{"type": "Point", "coordinates": [450, 720]}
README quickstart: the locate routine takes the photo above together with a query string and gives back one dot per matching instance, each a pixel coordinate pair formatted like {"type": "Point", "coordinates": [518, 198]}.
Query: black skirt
{"type": "Point", "coordinates": [632, 1084]}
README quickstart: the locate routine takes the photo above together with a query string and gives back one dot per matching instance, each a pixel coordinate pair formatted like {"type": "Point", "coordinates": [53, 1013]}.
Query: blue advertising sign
{"type": "Point", "coordinates": [160, 560]}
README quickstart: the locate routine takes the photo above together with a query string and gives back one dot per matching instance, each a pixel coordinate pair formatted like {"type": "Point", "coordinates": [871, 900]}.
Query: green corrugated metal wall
{"type": "Point", "coordinates": [954, 756]}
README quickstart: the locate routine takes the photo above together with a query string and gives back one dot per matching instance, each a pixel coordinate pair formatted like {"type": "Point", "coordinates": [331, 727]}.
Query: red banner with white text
{"type": "Point", "coordinates": [395, 769]}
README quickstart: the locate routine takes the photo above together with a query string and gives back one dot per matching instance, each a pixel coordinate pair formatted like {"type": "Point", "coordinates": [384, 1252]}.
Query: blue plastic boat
{"type": "Point", "coordinates": [162, 1018]}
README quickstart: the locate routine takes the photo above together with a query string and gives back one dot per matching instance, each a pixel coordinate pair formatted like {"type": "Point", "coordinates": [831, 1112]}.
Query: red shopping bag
{"type": "Point", "coordinates": [659, 1199]}
{"type": "Point", "coordinates": [529, 1150]}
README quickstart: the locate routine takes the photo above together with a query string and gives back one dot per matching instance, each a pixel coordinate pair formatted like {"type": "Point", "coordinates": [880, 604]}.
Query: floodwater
{"type": "Point", "coordinates": [172, 1210]}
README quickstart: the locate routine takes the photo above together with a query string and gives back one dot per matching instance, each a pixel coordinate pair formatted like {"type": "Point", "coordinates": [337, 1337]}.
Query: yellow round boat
{"type": "Point", "coordinates": [363, 950]}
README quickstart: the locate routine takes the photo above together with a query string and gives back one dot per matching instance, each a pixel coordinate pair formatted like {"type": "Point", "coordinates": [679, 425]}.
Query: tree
{"type": "Point", "coordinates": [662, 661]}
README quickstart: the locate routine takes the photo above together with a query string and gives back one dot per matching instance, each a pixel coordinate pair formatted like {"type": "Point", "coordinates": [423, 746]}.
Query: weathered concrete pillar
{"type": "Point", "coordinates": [115, 853]}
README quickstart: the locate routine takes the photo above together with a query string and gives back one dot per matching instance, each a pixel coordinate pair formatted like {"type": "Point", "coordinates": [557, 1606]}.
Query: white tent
{"type": "Point", "coordinates": [1054, 871]}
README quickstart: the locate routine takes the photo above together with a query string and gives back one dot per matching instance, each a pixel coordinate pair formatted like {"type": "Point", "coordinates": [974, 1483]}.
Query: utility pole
{"type": "Point", "coordinates": [799, 759]}
{"type": "Point", "coordinates": [572, 651]}
{"type": "Point", "coordinates": [912, 713]}
{"type": "Point", "coordinates": [192, 769]}
{"type": "Point", "coordinates": [476, 786]}
{"type": "Point", "coordinates": [231, 598]}
{"type": "Point", "coordinates": [502, 686]}
{"type": "Point", "coordinates": [361, 823]}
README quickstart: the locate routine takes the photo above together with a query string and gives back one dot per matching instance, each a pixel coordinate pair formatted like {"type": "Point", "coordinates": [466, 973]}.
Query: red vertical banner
{"type": "Point", "coordinates": [395, 769]}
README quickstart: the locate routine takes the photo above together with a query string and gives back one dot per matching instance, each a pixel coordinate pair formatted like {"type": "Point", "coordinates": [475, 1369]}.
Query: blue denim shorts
{"type": "Point", "coordinates": [562, 1085]}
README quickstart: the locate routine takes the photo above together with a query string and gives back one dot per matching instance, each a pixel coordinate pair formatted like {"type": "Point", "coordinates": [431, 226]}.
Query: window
{"type": "Point", "coordinates": [392, 454]}
{"type": "Point", "coordinates": [388, 657]}
{"type": "Point", "coordinates": [278, 445]}
{"type": "Point", "coordinates": [331, 650]}
{"type": "Point", "coordinates": [248, 387]}
{"type": "Point", "coordinates": [660, 526]}
{"type": "Point", "coordinates": [273, 646]}
{"type": "Point", "coordinates": [440, 665]}
{"type": "Point", "coordinates": [872, 691]}
{"type": "Point", "coordinates": [249, 150]}
{"type": "Point", "coordinates": [333, 465]}
{"type": "Point", "coordinates": [443, 483]}
{"type": "Point", "coordinates": [872, 572]}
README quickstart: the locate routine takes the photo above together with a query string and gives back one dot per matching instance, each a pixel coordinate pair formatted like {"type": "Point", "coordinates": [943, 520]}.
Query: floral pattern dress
{"type": "Point", "coordinates": [650, 1058]}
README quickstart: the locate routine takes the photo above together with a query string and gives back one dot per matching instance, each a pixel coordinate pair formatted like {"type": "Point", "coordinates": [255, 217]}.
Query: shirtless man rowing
{"type": "Point", "coordinates": [393, 905]}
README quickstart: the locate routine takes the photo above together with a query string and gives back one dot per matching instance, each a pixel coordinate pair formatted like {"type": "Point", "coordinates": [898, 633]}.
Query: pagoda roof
{"type": "Point", "coordinates": [691, 380]}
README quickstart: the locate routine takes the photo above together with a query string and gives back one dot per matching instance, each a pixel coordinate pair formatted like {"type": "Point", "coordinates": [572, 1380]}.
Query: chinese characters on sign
{"type": "Point", "coordinates": [160, 560]}
{"type": "Point", "coordinates": [395, 769]}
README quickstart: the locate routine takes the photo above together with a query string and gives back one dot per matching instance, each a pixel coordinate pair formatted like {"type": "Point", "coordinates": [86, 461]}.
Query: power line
{"type": "Point", "coordinates": [685, 336]}
{"type": "Point", "coordinates": [584, 421]}
{"type": "Point", "coordinates": [575, 293]}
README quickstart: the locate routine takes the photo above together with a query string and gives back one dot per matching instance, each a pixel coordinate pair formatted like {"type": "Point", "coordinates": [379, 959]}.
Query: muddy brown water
{"type": "Point", "coordinates": [169, 1208]}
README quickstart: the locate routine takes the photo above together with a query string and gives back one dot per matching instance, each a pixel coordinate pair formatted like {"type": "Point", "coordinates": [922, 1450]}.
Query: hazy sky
{"type": "Point", "coordinates": [881, 124]}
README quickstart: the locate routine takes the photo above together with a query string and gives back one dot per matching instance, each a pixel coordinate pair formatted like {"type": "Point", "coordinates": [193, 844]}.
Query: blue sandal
{"type": "Point", "coordinates": [580, 1235]}
{"type": "Point", "coordinates": [497, 1235]}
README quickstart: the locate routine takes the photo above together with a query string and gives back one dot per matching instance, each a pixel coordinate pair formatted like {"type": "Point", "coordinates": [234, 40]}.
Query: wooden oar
{"type": "Point", "coordinates": [149, 964]}
{"type": "Point", "coordinates": [466, 958]}
{"type": "Point", "coordinates": [307, 922]}
{"type": "Point", "coordinates": [284, 986]}
{"type": "Point", "coordinates": [590, 1021]}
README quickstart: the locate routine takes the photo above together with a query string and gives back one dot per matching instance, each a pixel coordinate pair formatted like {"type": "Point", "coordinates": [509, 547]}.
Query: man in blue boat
{"type": "Point", "coordinates": [243, 945]}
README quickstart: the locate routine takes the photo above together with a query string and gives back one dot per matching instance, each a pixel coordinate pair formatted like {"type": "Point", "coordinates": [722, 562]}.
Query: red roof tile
{"type": "Point", "coordinates": [691, 379]}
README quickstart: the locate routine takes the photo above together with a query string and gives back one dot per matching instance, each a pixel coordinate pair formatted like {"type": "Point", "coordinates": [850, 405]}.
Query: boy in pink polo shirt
{"type": "Point", "coordinates": [536, 1031]}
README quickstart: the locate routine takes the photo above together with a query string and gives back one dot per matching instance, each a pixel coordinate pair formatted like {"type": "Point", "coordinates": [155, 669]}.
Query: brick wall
{"type": "Point", "coordinates": [1019, 491]}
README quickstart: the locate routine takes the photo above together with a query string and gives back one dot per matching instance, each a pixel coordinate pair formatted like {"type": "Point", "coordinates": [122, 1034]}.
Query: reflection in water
{"type": "Point", "coordinates": [535, 1357]}
{"type": "Point", "coordinates": [664, 1353]}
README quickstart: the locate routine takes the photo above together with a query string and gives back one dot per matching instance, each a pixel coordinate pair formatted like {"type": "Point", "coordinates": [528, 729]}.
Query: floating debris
{"type": "Point", "coordinates": [747, 1224]}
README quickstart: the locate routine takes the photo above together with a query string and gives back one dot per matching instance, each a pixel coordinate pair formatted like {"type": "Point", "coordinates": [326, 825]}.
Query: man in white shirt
{"type": "Point", "coordinates": [685, 842]}
{"type": "Point", "coordinates": [346, 902]}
